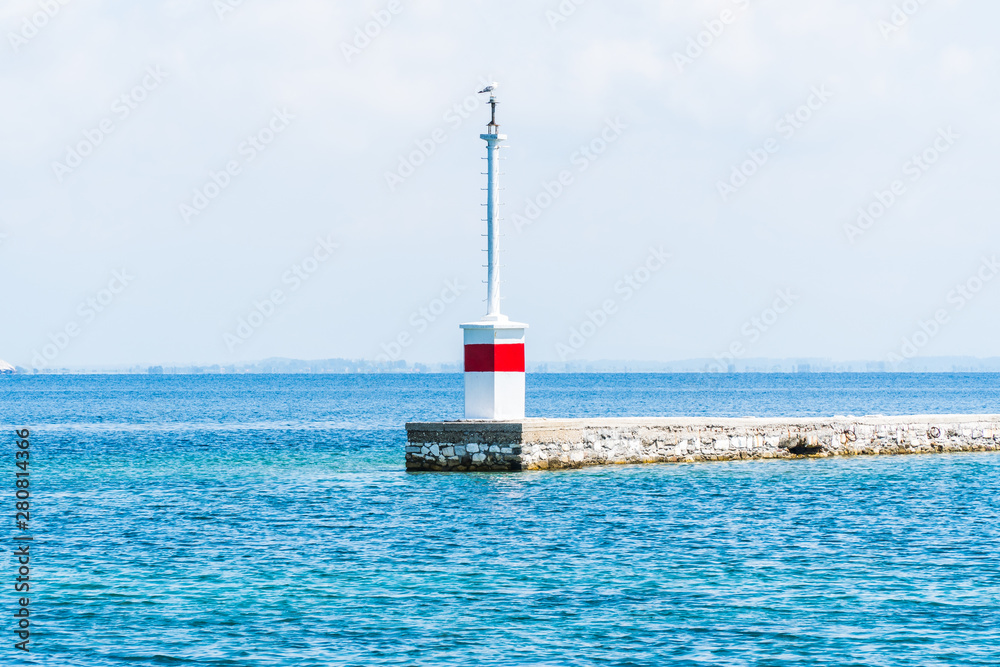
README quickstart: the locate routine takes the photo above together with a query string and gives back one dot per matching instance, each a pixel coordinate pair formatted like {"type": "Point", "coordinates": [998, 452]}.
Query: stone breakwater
{"type": "Point", "coordinates": [548, 444]}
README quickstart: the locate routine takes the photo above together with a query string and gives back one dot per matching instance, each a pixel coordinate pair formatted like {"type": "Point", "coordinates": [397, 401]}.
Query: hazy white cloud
{"type": "Point", "coordinates": [657, 185]}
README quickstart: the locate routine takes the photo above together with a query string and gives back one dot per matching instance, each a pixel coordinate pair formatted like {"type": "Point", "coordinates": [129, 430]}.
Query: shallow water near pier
{"type": "Point", "coordinates": [267, 520]}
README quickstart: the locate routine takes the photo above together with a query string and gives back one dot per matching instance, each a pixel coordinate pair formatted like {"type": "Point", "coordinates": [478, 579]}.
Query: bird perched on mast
{"type": "Point", "coordinates": [490, 88]}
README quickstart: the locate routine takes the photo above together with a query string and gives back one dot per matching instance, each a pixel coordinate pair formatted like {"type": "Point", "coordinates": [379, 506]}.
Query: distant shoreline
{"type": "Point", "coordinates": [187, 372]}
{"type": "Point", "coordinates": [283, 366]}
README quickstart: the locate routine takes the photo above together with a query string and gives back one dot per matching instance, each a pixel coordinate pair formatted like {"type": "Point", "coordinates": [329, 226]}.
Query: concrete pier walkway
{"type": "Point", "coordinates": [546, 444]}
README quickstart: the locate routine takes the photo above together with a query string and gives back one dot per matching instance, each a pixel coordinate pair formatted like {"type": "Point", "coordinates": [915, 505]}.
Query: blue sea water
{"type": "Point", "coordinates": [268, 520]}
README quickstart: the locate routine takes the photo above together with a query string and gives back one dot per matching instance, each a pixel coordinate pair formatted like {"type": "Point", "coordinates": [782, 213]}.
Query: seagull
{"type": "Point", "coordinates": [490, 88]}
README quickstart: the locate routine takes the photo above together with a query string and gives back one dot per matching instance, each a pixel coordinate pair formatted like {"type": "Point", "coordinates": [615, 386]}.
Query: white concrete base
{"type": "Point", "coordinates": [494, 369]}
{"type": "Point", "coordinates": [494, 396]}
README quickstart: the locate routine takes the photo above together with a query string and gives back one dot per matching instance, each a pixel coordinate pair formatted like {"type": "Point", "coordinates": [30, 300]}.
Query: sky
{"type": "Point", "coordinates": [199, 181]}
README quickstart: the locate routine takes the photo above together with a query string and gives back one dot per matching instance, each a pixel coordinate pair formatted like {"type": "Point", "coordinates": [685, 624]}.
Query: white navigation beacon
{"type": "Point", "coordinates": [494, 346]}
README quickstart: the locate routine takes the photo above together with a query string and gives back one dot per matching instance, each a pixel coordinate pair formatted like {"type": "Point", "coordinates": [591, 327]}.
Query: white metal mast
{"type": "Point", "coordinates": [493, 139]}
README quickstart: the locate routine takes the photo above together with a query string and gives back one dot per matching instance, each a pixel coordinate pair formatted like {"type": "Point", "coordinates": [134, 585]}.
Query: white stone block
{"type": "Point", "coordinates": [494, 395]}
